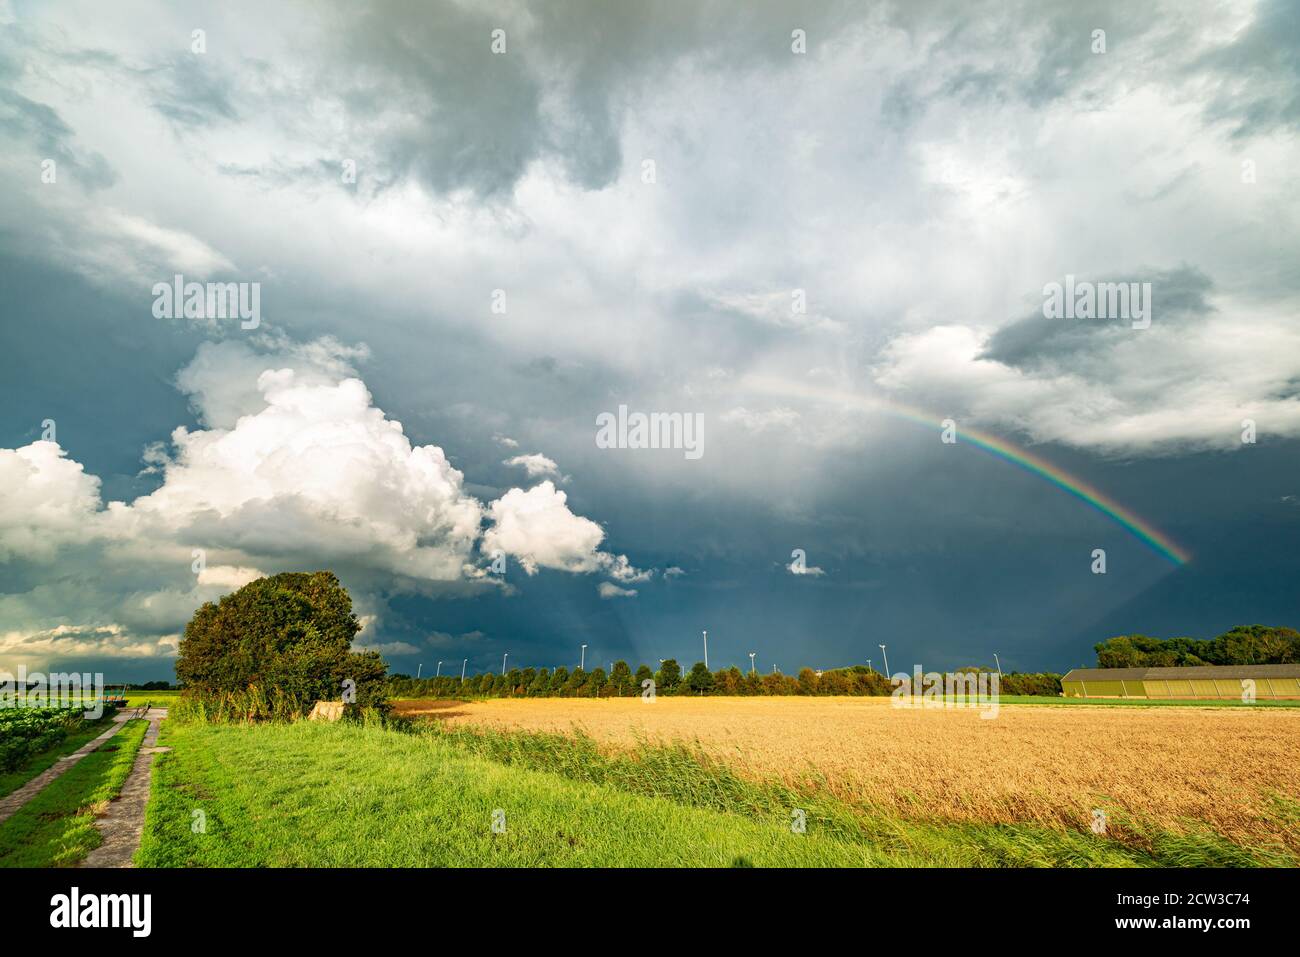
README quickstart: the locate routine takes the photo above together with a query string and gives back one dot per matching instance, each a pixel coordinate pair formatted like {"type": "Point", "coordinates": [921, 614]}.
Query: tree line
{"type": "Point", "coordinates": [1242, 645]}
{"type": "Point", "coordinates": [669, 679]}
{"type": "Point", "coordinates": [280, 643]}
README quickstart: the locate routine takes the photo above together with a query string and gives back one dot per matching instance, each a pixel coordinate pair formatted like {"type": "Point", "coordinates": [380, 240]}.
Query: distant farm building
{"type": "Point", "coordinates": [1225, 682]}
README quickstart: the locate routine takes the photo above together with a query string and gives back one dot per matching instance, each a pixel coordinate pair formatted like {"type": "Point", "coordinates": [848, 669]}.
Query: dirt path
{"type": "Point", "coordinates": [13, 801]}
{"type": "Point", "coordinates": [123, 825]}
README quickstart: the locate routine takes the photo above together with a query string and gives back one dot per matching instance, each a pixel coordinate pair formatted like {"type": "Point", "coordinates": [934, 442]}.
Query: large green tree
{"type": "Point", "coordinates": [541, 684]}
{"type": "Point", "coordinates": [290, 633]}
{"type": "Point", "coordinates": [638, 680]}
{"type": "Point", "coordinates": [699, 679]}
{"type": "Point", "coordinates": [620, 678]}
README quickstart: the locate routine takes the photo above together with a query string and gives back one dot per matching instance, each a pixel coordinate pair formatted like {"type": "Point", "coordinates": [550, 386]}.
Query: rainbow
{"type": "Point", "coordinates": [1161, 543]}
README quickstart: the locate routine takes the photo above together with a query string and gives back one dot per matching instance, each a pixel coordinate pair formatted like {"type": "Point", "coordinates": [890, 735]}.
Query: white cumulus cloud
{"type": "Point", "coordinates": [608, 590]}
{"type": "Point", "coordinates": [537, 528]}
{"type": "Point", "coordinates": [536, 465]}
{"type": "Point", "coordinates": [297, 468]}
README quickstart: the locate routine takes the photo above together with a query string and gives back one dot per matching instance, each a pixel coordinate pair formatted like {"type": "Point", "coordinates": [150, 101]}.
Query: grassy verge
{"type": "Point", "coordinates": [334, 795]}
{"type": "Point", "coordinates": [1148, 702]}
{"type": "Point", "coordinates": [11, 781]}
{"type": "Point", "coordinates": [686, 775]}
{"type": "Point", "coordinates": [56, 828]}
{"type": "Point", "coordinates": [314, 795]}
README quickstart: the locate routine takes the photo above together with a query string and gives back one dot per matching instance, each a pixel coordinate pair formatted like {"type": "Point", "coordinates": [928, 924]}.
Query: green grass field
{"type": "Point", "coordinates": [312, 795]}
{"type": "Point", "coordinates": [318, 795]}
{"type": "Point", "coordinates": [12, 780]}
{"type": "Point", "coordinates": [159, 699]}
{"type": "Point", "coordinates": [1148, 702]}
{"type": "Point", "coordinates": [134, 699]}
{"type": "Point", "coordinates": [56, 828]}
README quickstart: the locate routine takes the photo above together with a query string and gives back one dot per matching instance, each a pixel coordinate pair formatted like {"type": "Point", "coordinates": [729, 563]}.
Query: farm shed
{"type": "Point", "coordinates": [1226, 682]}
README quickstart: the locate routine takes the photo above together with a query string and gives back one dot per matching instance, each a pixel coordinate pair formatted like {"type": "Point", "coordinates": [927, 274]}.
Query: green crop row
{"type": "Point", "coordinates": [28, 731]}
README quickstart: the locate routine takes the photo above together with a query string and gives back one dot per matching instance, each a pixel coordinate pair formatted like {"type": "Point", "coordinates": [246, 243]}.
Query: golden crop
{"type": "Point", "coordinates": [1171, 767]}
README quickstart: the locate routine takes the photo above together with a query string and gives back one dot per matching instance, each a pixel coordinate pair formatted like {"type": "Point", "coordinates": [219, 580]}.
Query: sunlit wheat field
{"type": "Point", "coordinates": [1232, 771]}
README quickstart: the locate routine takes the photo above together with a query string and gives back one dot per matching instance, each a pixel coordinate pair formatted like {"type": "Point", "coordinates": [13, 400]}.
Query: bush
{"type": "Point", "coordinates": [275, 646]}
{"type": "Point", "coordinates": [1044, 683]}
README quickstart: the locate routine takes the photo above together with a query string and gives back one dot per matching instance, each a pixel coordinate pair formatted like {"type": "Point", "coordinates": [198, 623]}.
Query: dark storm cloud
{"type": "Point", "coordinates": [946, 557]}
{"type": "Point", "coordinates": [446, 111]}
{"type": "Point", "coordinates": [959, 42]}
{"type": "Point", "coordinates": [1179, 296]}
{"type": "Point", "coordinates": [278, 173]}
{"type": "Point", "coordinates": [443, 108]}
{"type": "Point", "coordinates": [1255, 75]}
{"type": "Point", "coordinates": [40, 127]}
{"type": "Point", "coordinates": [24, 120]}
{"type": "Point", "coordinates": [195, 92]}
{"type": "Point", "coordinates": [114, 364]}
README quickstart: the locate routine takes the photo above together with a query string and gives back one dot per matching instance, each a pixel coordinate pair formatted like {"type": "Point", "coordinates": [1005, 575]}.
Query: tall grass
{"type": "Point", "coordinates": [254, 705]}
{"type": "Point", "coordinates": [1178, 770]}
{"type": "Point", "coordinates": [251, 705]}
{"type": "Point", "coordinates": [685, 774]}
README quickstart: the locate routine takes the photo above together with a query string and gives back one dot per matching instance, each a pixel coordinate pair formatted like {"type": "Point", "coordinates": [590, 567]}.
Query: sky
{"type": "Point", "coordinates": [823, 235]}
